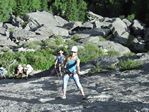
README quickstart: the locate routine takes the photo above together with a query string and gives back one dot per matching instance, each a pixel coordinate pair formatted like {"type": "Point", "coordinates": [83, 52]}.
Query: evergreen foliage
{"type": "Point", "coordinates": [70, 9]}
{"type": "Point", "coordinates": [6, 7]}
{"type": "Point", "coordinates": [75, 10]}
{"type": "Point", "coordinates": [44, 5]}
{"type": "Point", "coordinates": [90, 52]}
{"type": "Point", "coordinates": [22, 7]}
{"type": "Point", "coordinates": [34, 5]}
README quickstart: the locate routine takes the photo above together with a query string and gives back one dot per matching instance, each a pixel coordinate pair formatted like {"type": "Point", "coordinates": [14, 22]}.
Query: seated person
{"type": "Point", "coordinates": [3, 72]}
{"type": "Point", "coordinates": [19, 71]}
{"type": "Point", "coordinates": [28, 69]}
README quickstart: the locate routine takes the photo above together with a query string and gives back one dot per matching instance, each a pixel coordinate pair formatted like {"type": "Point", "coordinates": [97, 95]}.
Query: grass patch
{"type": "Point", "coordinates": [75, 38]}
{"type": "Point", "coordinates": [33, 45]}
{"type": "Point", "coordinates": [113, 53]}
{"type": "Point", "coordinates": [90, 52]}
{"type": "Point", "coordinates": [129, 64]}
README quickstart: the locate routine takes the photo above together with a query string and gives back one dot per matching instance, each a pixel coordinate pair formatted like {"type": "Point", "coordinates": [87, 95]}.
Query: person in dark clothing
{"type": "Point", "coordinates": [59, 62]}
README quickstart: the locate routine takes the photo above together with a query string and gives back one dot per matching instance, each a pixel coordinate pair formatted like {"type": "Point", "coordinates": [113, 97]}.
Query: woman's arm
{"type": "Point", "coordinates": [78, 66]}
{"type": "Point", "coordinates": [56, 61]}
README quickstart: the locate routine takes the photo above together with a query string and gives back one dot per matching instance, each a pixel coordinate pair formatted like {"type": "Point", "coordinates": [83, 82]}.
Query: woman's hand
{"type": "Point", "coordinates": [78, 72]}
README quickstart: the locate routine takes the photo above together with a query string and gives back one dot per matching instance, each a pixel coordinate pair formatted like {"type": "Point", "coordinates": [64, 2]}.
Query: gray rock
{"type": "Point", "coordinates": [87, 25]}
{"type": "Point", "coordinates": [115, 94]}
{"type": "Point", "coordinates": [127, 22]}
{"type": "Point", "coordinates": [4, 41]}
{"type": "Point", "coordinates": [2, 31]}
{"type": "Point", "coordinates": [120, 31]}
{"type": "Point", "coordinates": [60, 20]}
{"type": "Point", "coordinates": [22, 35]}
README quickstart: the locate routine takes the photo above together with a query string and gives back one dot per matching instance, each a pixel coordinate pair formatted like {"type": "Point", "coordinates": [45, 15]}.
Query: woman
{"type": "Point", "coordinates": [72, 65]}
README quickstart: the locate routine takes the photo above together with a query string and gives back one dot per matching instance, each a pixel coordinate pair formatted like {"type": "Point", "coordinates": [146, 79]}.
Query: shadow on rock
{"type": "Point", "coordinates": [31, 101]}
{"type": "Point", "coordinates": [146, 69]}
{"type": "Point", "coordinates": [45, 73]}
{"type": "Point", "coordinates": [73, 100]}
{"type": "Point", "coordinates": [114, 106]}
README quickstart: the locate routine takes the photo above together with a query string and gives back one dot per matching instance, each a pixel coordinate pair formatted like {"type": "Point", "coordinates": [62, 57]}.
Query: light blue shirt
{"type": "Point", "coordinates": [71, 65]}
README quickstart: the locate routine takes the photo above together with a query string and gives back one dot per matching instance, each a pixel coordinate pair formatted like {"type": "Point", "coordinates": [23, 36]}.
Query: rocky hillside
{"type": "Point", "coordinates": [112, 91]}
{"type": "Point", "coordinates": [43, 25]}
{"type": "Point", "coordinates": [106, 92]}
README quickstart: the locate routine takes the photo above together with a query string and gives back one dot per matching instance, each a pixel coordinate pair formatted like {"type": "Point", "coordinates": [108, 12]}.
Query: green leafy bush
{"type": "Point", "coordinates": [131, 17]}
{"type": "Point", "coordinates": [95, 69]}
{"type": "Point", "coordinates": [70, 9]}
{"type": "Point", "coordinates": [40, 60]}
{"type": "Point", "coordinates": [90, 52]}
{"type": "Point", "coordinates": [59, 40]}
{"type": "Point", "coordinates": [129, 64]}
{"type": "Point", "coordinates": [113, 53]}
{"type": "Point", "coordinates": [70, 42]}
{"type": "Point", "coordinates": [48, 43]}
{"type": "Point", "coordinates": [75, 38]}
{"type": "Point", "coordinates": [53, 44]}
{"type": "Point", "coordinates": [33, 45]}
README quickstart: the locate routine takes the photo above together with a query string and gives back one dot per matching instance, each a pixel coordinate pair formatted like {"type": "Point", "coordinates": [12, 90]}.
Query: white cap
{"type": "Point", "coordinates": [60, 51]}
{"type": "Point", "coordinates": [74, 49]}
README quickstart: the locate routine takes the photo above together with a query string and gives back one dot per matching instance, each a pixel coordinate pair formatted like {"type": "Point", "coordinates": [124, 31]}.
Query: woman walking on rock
{"type": "Point", "coordinates": [72, 66]}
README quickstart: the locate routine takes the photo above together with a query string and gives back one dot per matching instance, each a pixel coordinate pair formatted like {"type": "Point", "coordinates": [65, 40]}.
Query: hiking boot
{"type": "Point", "coordinates": [84, 98]}
{"type": "Point", "coordinates": [63, 97]}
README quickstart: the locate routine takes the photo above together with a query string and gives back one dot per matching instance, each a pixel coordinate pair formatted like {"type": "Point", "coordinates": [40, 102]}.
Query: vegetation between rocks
{"type": "Point", "coordinates": [129, 64]}
{"type": "Point", "coordinates": [43, 56]}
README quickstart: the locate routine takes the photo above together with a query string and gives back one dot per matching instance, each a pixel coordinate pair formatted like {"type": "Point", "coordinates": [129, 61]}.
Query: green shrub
{"type": "Point", "coordinates": [129, 54]}
{"type": "Point", "coordinates": [48, 43]}
{"type": "Point", "coordinates": [59, 40]}
{"type": "Point", "coordinates": [95, 69]}
{"type": "Point", "coordinates": [6, 49]}
{"type": "Point", "coordinates": [7, 59]}
{"type": "Point", "coordinates": [70, 9]}
{"type": "Point", "coordinates": [76, 38]}
{"type": "Point", "coordinates": [21, 57]}
{"type": "Point", "coordinates": [40, 60]}
{"type": "Point", "coordinates": [113, 53]}
{"type": "Point", "coordinates": [131, 17]}
{"type": "Point", "coordinates": [90, 52]}
{"type": "Point", "coordinates": [53, 44]}
{"type": "Point", "coordinates": [33, 45]}
{"type": "Point", "coordinates": [70, 42]}
{"type": "Point", "coordinates": [129, 64]}
{"type": "Point", "coordinates": [102, 38]}
{"type": "Point", "coordinates": [11, 69]}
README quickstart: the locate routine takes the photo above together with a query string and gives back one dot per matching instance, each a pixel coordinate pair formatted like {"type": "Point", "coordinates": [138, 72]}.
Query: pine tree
{"type": "Point", "coordinates": [72, 10]}
{"type": "Point", "coordinates": [12, 5]}
{"type": "Point", "coordinates": [22, 7]}
{"type": "Point", "coordinates": [59, 7]}
{"type": "Point", "coordinates": [34, 5]}
{"type": "Point", "coordinates": [44, 5]}
{"type": "Point", "coordinates": [5, 9]}
{"type": "Point", "coordinates": [82, 9]}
